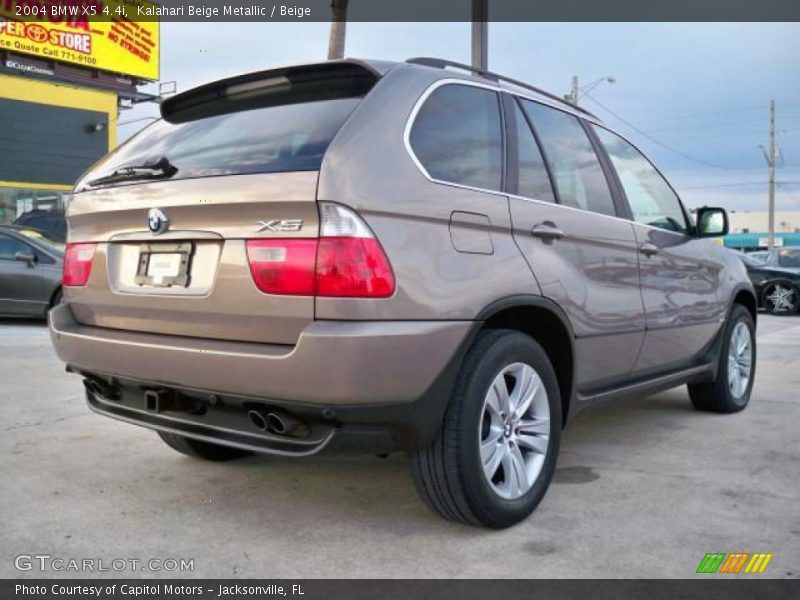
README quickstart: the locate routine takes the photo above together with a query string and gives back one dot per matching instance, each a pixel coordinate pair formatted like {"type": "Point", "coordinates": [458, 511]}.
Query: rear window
{"type": "Point", "coordinates": [291, 137]}
{"type": "Point", "coordinates": [272, 121]}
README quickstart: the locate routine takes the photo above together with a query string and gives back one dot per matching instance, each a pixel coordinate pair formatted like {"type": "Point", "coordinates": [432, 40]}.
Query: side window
{"type": "Point", "coordinates": [651, 199]}
{"type": "Point", "coordinates": [576, 169]}
{"type": "Point", "coordinates": [9, 247]}
{"type": "Point", "coordinates": [533, 179]}
{"type": "Point", "coordinates": [457, 136]}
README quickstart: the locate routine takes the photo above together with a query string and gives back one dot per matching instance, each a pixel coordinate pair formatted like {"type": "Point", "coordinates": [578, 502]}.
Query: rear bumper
{"type": "Point", "coordinates": [370, 386]}
{"type": "Point", "coordinates": [333, 363]}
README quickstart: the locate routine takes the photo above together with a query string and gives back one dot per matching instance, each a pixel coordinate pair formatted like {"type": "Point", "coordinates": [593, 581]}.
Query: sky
{"type": "Point", "coordinates": [693, 96]}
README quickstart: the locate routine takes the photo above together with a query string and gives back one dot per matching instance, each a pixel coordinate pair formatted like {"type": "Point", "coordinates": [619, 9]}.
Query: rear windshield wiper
{"type": "Point", "coordinates": [161, 169]}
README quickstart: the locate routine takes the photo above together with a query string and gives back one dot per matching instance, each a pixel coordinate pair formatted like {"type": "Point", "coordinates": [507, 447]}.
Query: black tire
{"type": "Point", "coordinates": [57, 298]}
{"type": "Point", "coordinates": [716, 396]}
{"type": "Point", "coordinates": [198, 449]}
{"type": "Point", "coordinates": [771, 307]}
{"type": "Point", "coordinates": [448, 474]}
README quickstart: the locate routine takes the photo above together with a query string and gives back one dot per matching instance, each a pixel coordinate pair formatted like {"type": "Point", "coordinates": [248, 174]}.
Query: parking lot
{"type": "Point", "coordinates": [644, 488]}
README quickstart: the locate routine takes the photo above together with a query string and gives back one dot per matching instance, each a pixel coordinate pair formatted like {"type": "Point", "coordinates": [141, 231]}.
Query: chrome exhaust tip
{"type": "Point", "coordinates": [281, 422]}
{"type": "Point", "coordinates": [258, 419]}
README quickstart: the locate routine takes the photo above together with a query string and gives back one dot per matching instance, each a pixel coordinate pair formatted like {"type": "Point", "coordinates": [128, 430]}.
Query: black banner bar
{"type": "Point", "coordinates": [706, 587]}
{"type": "Point", "coordinates": [405, 10]}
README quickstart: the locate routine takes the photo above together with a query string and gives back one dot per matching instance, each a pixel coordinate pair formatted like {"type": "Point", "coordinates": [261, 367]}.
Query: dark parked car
{"type": "Point", "coordinates": [52, 223]}
{"type": "Point", "coordinates": [777, 288]}
{"type": "Point", "coordinates": [30, 272]}
{"type": "Point", "coordinates": [785, 258]}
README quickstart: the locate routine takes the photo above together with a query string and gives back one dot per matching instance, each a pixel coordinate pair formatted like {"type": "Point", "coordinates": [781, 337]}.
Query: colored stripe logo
{"type": "Point", "coordinates": [735, 563]}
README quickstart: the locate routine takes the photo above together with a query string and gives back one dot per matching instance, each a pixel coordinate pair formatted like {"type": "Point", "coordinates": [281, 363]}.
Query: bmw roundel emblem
{"type": "Point", "coordinates": [157, 221]}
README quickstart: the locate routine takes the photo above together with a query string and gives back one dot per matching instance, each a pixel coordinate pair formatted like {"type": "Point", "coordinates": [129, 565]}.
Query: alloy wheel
{"type": "Point", "coordinates": [781, 298]}
{"type": "Point", "coordinates": [740, 360]}
{"type": "Point", "coordinates": [514, 431]}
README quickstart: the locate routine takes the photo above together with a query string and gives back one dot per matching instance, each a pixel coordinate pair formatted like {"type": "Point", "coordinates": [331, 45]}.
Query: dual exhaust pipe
{"type": "Point", "coordinates": [275, 421]}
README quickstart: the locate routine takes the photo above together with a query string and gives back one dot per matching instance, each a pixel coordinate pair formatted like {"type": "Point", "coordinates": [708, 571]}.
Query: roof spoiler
{"type": "Point", "coordinates": [284, 85]}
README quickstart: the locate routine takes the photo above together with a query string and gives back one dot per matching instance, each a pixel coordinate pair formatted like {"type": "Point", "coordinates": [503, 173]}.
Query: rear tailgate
{"type": "Point", "coordinates": [213, 216]}
{"type": "Point", "coordinates": [231, 161]}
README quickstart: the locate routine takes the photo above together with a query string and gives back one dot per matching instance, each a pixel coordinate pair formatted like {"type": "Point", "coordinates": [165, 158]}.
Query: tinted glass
{"type": "Point", "coordinates": [789, 257]}
{"type": "Point", "coordinates": [43, 239]}
{"type": "Point", "coordinates": [651, 199]}
{"type": "Point", "coordinates": [576, 169]}
{"type": "Point", "coordinates": [55, 225]}
{"type": "Point", "coordinates": [533, 179]}
{"type": "Point", "coordinates": [9, 247]}
{"type": "Point", "coordinates": [290, 137]}
{"type": "Point", "coordinates": [752, 261]}
{"type": "Point", "coordinates": [457, 136]}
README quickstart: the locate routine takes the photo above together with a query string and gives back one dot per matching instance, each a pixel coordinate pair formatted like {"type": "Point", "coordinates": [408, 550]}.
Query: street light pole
{"type": "Point", "coordinates": [576, 90]}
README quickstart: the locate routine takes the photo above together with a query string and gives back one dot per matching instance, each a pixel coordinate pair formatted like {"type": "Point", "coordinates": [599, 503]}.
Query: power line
{"type": "Point", "coordinates": [655, 141]}
{"type": "Point", "coordinates": [728, 135]}
{"type": "Point", "coordinates": [717, 112]}
{"type": "Point", "coordinates": [725, 124]}
{"type": "Point", "coordinates": [722, 185]}
{"type": "Point", "coordinates": [737, 184]}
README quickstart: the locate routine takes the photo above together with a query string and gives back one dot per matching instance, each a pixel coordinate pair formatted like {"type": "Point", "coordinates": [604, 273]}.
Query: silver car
{"type": "Point", "coordinates": [30, 272]}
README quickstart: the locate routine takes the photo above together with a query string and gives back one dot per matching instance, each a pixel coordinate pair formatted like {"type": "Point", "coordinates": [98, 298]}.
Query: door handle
{"type": "Point", "coordinates": [547, 231]}
{"type": "Point", "coordinates": [648, 249]}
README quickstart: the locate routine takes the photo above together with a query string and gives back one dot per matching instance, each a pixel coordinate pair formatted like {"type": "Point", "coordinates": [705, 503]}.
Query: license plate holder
{"type": "Point", "coordinates": [164, 264]}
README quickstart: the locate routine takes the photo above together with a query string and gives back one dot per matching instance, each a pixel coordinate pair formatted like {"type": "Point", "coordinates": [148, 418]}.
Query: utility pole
{"type": "Point", "coordinates": [572, 97]}
{"type": "Point", "coordinates": [480, 35]}
{"type": "Point", "coordinates": [771, 164]}
{"type": "Point", "coordinates": [338, 29]}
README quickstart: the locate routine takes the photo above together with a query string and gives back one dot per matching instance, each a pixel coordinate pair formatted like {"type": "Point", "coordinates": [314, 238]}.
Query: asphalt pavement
{"type": "Point", "coordinates": [644, 488]}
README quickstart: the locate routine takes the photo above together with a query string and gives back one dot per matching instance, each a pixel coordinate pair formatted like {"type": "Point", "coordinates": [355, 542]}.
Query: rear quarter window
{"type": "Point", "coordinates": [457, 136]}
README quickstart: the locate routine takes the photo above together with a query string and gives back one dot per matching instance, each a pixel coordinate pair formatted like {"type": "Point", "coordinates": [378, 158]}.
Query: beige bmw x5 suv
{"type": "Point", "coordinates": [385, 257]}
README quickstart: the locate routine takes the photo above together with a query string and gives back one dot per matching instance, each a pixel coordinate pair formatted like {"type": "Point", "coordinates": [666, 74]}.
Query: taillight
{"type": "Point", "coordinates": [283, 266]}
{"type": "Point", "coordinates": [350, 261]}
{"type": "Point", "coordinates": [353, 268]}
{"type": "Point", "coordinates": [345, 262]}
{"type": "Point", "coordinates": [78, 263]}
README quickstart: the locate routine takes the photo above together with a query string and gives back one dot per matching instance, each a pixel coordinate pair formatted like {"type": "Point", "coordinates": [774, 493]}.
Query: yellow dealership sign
{"type": "Point", "coordinates": [98, 34]}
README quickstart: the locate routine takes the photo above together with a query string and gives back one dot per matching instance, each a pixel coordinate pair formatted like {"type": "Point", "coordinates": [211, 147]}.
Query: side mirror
{"type": "Point", "coordinates": [711, 222]}
{"type": "Point", "coordinates": [25, 257]}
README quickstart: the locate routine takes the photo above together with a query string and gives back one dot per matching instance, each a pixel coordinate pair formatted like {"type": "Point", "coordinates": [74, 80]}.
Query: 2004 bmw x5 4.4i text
{"type": "Point", "coordinates": [393, 256]}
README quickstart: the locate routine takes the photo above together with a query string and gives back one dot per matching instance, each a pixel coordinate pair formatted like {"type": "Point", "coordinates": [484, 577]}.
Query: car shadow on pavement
{"type": "Point", "coordinates": [380, 492]}
{"type": "Point", "coordinates": [23, 322]}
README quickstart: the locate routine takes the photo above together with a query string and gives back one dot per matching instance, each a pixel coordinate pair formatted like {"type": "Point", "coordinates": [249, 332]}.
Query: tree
{"type": "Point", "coordinates": [338, 29]}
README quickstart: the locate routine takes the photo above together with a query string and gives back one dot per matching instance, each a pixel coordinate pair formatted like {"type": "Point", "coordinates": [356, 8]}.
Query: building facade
{"type": "Point", "coordinates": [59, 105]}
{"type": "Point", "coordinates": [748, 229]}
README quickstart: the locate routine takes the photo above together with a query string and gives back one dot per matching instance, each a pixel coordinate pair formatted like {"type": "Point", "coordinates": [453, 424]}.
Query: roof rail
{"type": "Point", "coordinates": [441, 63]}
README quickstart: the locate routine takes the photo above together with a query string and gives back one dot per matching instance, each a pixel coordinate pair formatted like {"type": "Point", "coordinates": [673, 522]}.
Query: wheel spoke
{"type": "Point", "coordinates": [534, 443]}
{"type": "Point", "coordinates": [733, 375]}
{"type": "Point", "coordinates": [515, 472]}
{"type": "Point", "coordinates": [535, 426]}
{"type": "Point", "coordinates": [492, 454]}
{"type": "Point", "coordinates": [494, 406]}
{"type": "Point", "coordinates": [525, 391]}
{"type": "Point", "coordinates": [500, 390]}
